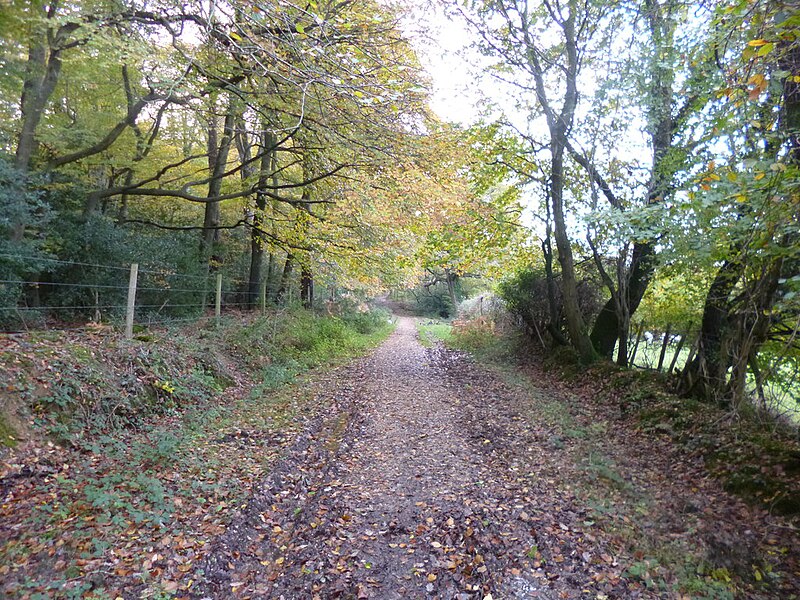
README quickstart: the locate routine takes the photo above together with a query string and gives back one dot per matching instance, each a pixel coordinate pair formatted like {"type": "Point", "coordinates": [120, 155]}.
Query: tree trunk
{"type": "Point", "coordinates": [754, 367]}
{"type": "Point", "coordinates": [558, 124]}
{"type": "Point", "coordinates": [569, 285]}
{"type": "Point", "coordinates": [286, 276]}
{"type": "Point", "coordinates": [256, 263]}
{"type": "Point", "coordinates": [306, 267]}
{"type": "Point", "coordinates": [705, 376]}
{"type": "Point", "coordinates": [270, 274]}
{"type": "Point", "coordinates": [607, 324]}
{"type": "Point", "coordinates": [217, 162]}
{"type": "Point", "coordinates": [632, 359]}
{"type": "Point", "coordinates": [555, 312]}
{"type": "Point", "coordinates": [664, 345]}
{"type": "Point", "coordinates": [451, 278]}
{"type": "Point", "coordinates": [661, 127]}
{"type": "Point", "coordinates": [92, 202]}
{"type": "Point", "coordinates": [211, 209]}
{"type": "Point", "coordinates": [122, 215]}
{"type": "Point", "coordinates": [307, 287]}
{"type": "Point", "coordinates": [271, 262]}
{"type": "Point", "coordinates": [622, 351]}
{"type": "Point", "coordinates": [681, 342]}
{"type": "Point", "coordinates": [753, 328]}
{"type": "Point", "coordinates": [257, 237]}
{"type": "Point", "coordinates": [42, 71]}
{"type": "Point", "coordinates": [733, 329]}
{"type": "Point", "coordinates": [41, 76]}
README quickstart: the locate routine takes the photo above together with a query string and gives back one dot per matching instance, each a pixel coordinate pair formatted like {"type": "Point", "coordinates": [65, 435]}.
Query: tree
{"type": "Point", "coordinates": [552, 61]}
{"type": "Point", "coordinates": [643, 84]}
{"type": "Point", "coordinates": [755, 189]}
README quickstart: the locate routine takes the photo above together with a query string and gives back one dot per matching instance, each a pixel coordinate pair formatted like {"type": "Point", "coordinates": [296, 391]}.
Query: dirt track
{"type": "Point", "coordinates": [413, 486]}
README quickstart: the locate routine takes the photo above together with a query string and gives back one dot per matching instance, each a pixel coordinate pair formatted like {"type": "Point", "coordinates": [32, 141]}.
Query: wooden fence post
{"type": "Point", "coordinates": [263, 292]}
{"type": "Point", "coordinates": [129, 313]}
{"type": "Point", "coordinates": [218, 302]}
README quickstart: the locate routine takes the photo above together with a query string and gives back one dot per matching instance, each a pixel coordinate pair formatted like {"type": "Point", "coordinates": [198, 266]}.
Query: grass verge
{"type": "Point", "coordinates": [431, 331]}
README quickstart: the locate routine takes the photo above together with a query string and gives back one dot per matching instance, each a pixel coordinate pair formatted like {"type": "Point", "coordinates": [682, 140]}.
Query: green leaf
{"type": "Point", "coordinates": [765, 49]}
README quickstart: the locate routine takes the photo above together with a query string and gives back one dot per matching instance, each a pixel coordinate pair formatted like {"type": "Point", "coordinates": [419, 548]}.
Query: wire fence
{"type": "Point", "coordinates": [774, 386]}
{"type": "Point", "coordinates": [661, 351]}
{"type": "Point", "coordinates": [49, 293]}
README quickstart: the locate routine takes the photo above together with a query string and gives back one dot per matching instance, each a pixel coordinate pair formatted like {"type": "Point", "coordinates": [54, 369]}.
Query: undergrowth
{"type": "Point", "coordinates": [477, 336]}
{"type": "Point", "coordinates": [291, 341]}
{"type": "Point", "coordinates": [76, 385]}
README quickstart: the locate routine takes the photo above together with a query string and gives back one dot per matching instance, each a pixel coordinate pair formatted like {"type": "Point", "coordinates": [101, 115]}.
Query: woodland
{"type": "Point", "coordinates": [654, 170]}
{"type": "Point", "coordinates": [627, 206]}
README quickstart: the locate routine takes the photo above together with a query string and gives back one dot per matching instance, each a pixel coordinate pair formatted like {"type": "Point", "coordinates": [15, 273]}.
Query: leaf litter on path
{"type": "Point", "coordinates": [421, 494]}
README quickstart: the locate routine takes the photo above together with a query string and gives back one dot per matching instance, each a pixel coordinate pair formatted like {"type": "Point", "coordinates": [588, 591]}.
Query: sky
{"type": "Point", "coordinates": [456, 70]}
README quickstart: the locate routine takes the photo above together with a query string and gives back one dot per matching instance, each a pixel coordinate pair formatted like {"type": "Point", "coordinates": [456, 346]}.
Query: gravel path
{"type": "Point", "coordinates": [409, 485]}
{"type": "Point", "coordinates": [416, 487]}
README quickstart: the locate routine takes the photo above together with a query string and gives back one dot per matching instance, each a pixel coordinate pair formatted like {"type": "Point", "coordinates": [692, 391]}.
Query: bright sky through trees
{"type": "Point", "coordinates": [457, 70]}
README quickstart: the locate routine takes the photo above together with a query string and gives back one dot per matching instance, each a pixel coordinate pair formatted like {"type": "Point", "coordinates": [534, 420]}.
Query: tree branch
{"type": "Point", "coordinates": [581, 159]}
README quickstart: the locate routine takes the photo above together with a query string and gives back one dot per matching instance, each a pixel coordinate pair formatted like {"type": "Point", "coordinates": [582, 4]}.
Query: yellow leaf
{"type": "Point", "coordinates": [279, 561]}
{"type": "Point", "coordinates": [759, 176]}
{"type": "Point", "coordinates": [431, 577]}
{"type": "Point", "coordinates": [756, 43]}
{"type": "Point", "coordinates": [758, 80]}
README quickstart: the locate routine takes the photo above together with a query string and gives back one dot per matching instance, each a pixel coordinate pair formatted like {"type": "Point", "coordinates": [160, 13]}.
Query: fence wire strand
{"type": "Point", "coordinates": [153, 283]}
{"type": "Point", "coordinates": [100, 266]}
